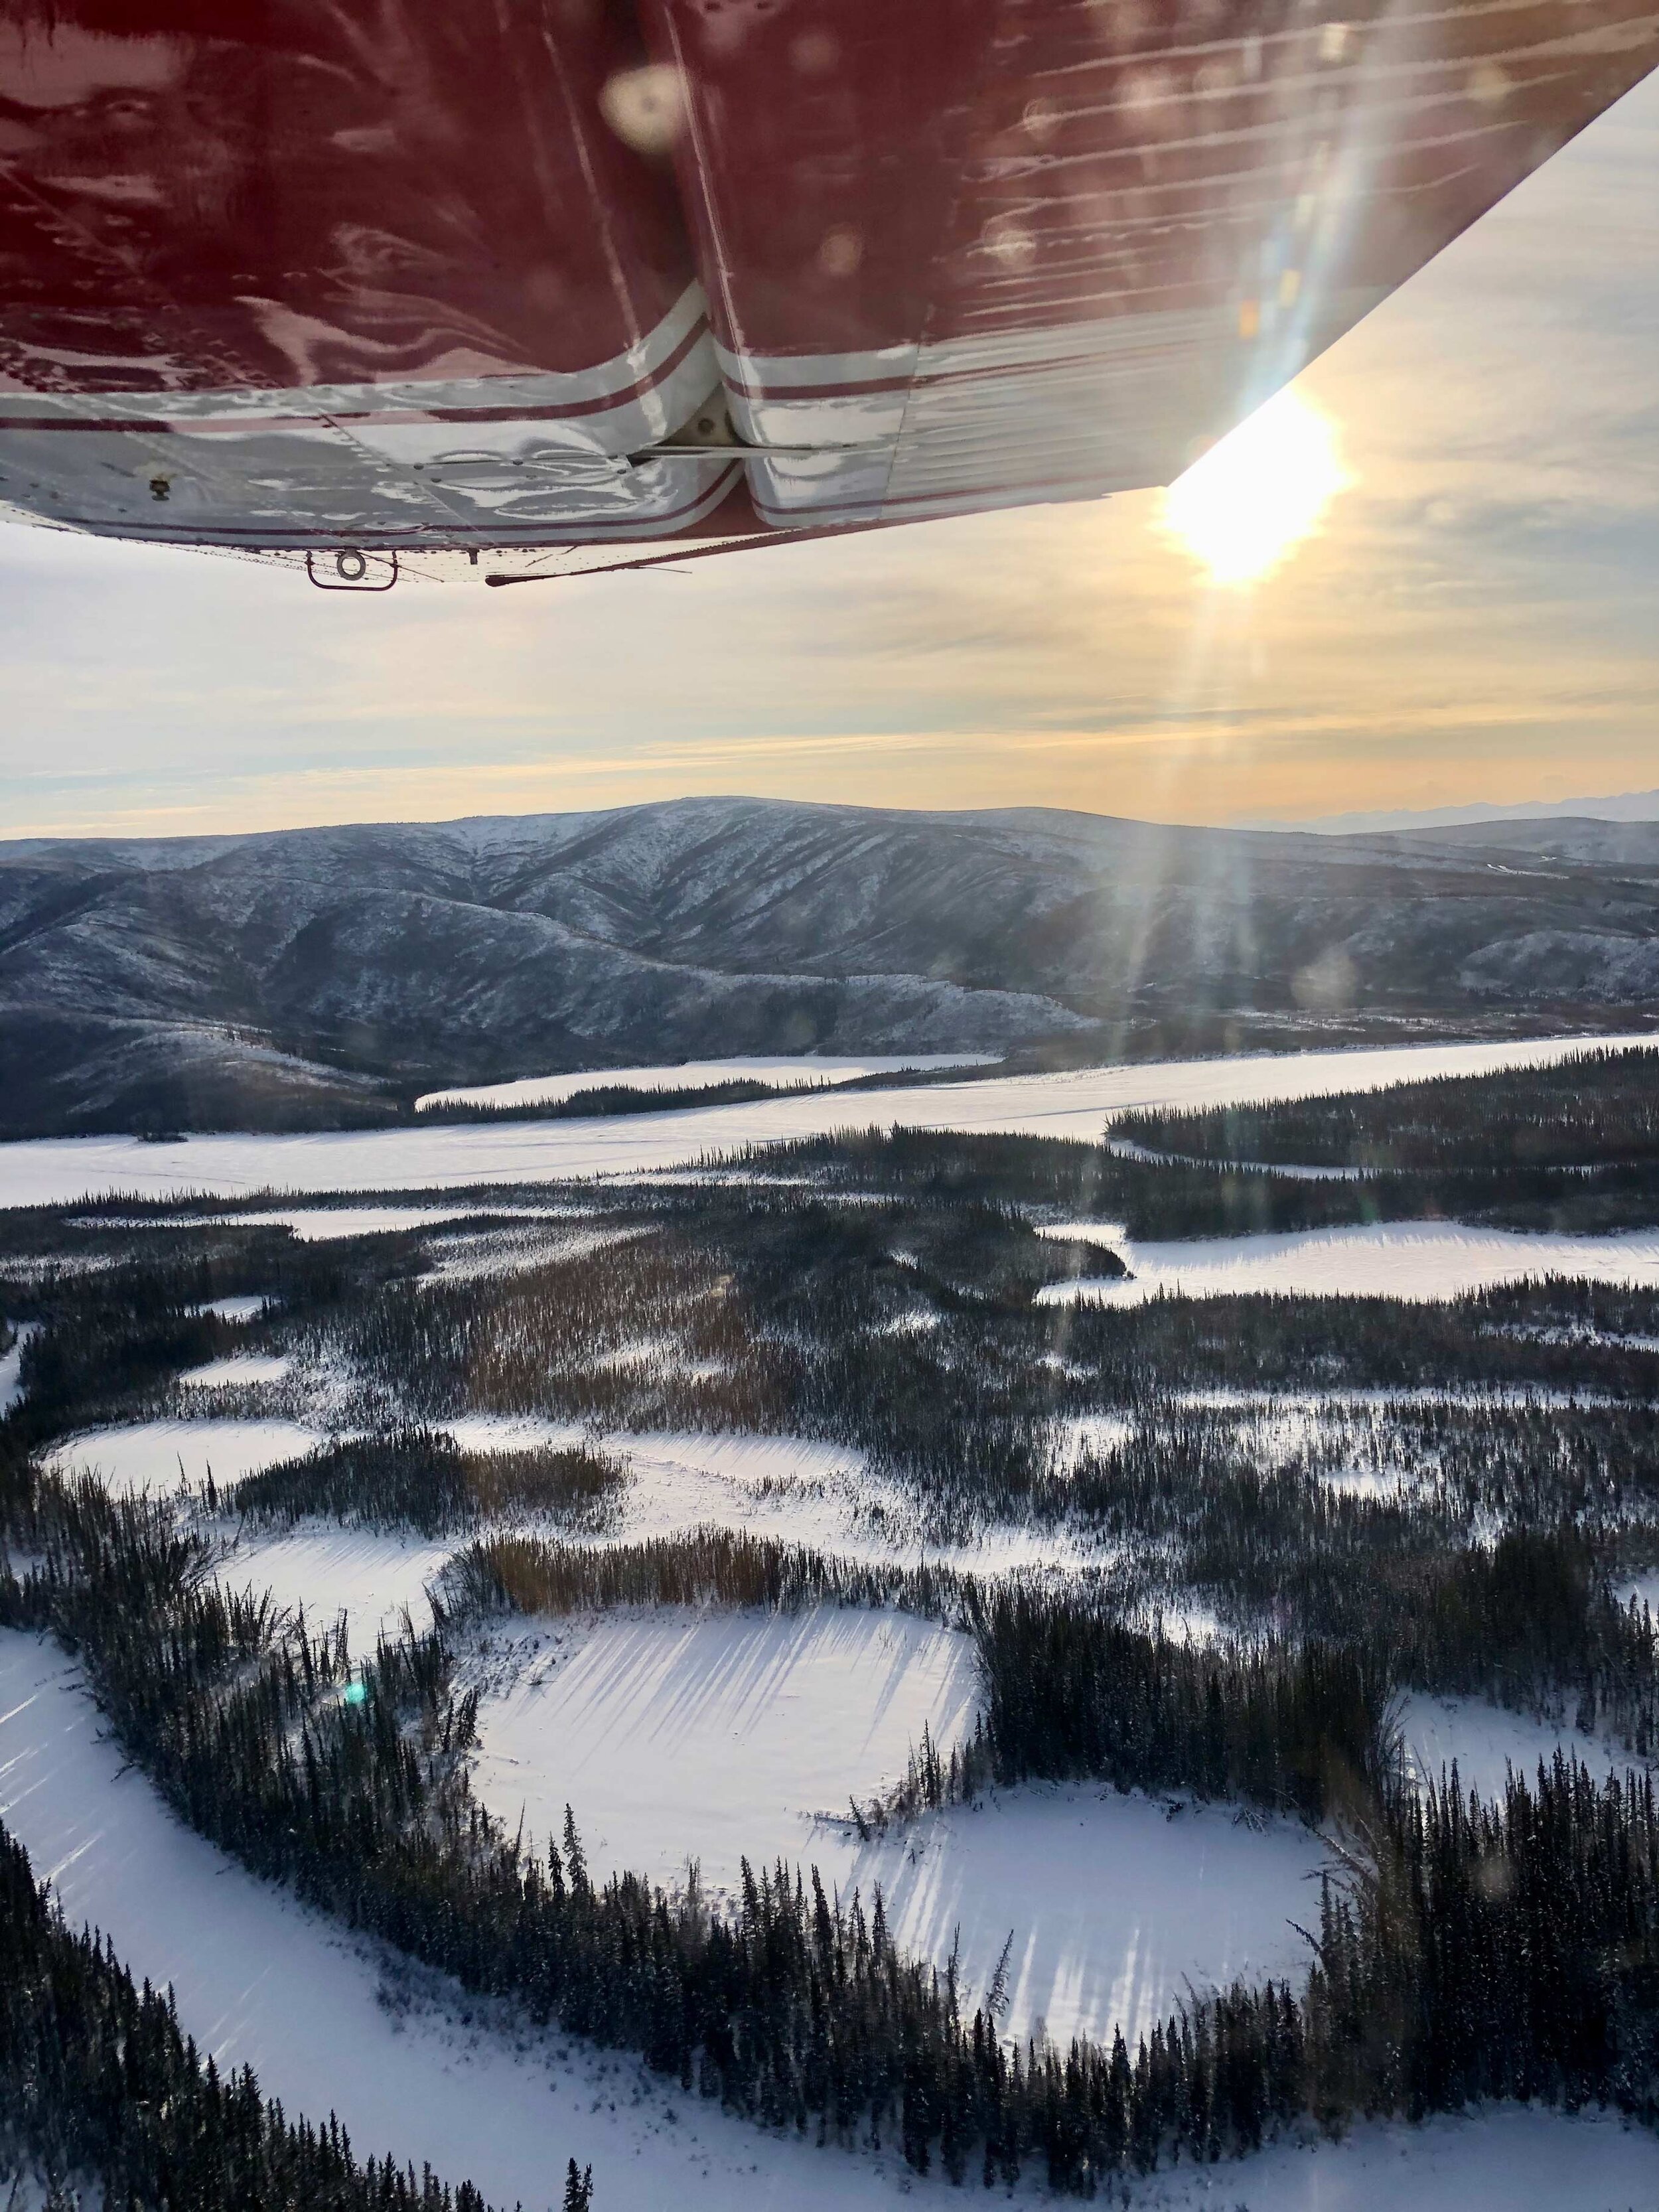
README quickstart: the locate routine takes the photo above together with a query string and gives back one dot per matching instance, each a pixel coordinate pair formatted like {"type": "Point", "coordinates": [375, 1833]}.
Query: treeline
{"type": "Point", "coordinates": [1473, 1949]}
{"type": "Point", "coordinates": [1296, 1721]}
{"type": "Point", "coordinates": [1071, 1689]}
{"type": "Point", "coordinates": [97, 2079]}
{"type": "Point", "coordinates": [904, 1330]}
{"type": "Point", "coordinates": [421, 1478]}
{"type": "Point", "coordinates": [1174, 1195]}
{"type": "Point", "coordinates": [612, 1099]}
{"type": "Point", "coordinates": [117, 1333]}
{"type": "Point", "coordinates": [1594, 1109]}
{"type": "Point", "coordinates": [1072, 1692]}
{"type": "Point", "coordinates": [1410, 1577]}
{"type": "Point", "coordinates": [704, 1567]}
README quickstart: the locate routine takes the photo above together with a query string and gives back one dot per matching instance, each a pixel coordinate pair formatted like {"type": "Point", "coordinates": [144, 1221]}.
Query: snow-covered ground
{"type": "Point", "coordinates": [332, 2025]}
{"type": "Point", "coordinates": [1415, 1259]}
{"type": "Point", "coordinates": [683, 1735]}
{"type": "Point", "coordinates": [248, 1307]}
{"type": "Point", "coordinates": [327, 2028]}
{"type": "Point", "coordinates": [1507, 2159]}
{"type": "Point", "coordinates": [1484, 1741]}
{"type": "Point", "coordinates": [370, 1577]}
{"type": "Point", "coordinates": [791, 1072]}
{"type": "Point", "coordinates": [1078, 1103]}
{"type": "Point", "coordinates": [798, 1489]}
{"type": "Point", "coordinates": [468, 1256]}
{"type": "Point", "coordinates": [318, 1225]}
{"type": "Point", "coordinates": [240, 1371]}
{"type": "Point", "coordinates": [678, 1736]}
{"type": "Point", "coordinates": [11, 1366]}
{"type": "Point", "coordinates": [162, 1456]}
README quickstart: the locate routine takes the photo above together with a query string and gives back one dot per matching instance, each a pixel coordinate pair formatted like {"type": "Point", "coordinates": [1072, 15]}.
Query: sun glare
{"type": "Point", "coordinates": [1259, 492]}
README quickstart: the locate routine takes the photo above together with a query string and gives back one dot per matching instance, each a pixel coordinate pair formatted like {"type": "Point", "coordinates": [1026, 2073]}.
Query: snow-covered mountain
{"type": "Point", "coordinates": [305, 977]}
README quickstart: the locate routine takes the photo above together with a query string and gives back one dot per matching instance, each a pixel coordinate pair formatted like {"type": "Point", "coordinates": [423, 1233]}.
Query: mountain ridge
{"type": "Point", "coordinates": [319, 976]}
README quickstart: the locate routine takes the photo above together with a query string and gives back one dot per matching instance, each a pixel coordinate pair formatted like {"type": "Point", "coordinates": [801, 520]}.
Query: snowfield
{"type": "Point", "coordinates": [162, 1456]}
{"type": "Point", "coordinates": [58, 1171]}
{"type": "Point", "coordinates": [1414, 1259]}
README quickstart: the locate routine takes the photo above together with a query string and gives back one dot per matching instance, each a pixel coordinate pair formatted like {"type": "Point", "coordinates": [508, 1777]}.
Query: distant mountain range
{"type": "Point", "coordinates": [320, 977]}
{"type": "Point", "coordinates": [1621, 806]}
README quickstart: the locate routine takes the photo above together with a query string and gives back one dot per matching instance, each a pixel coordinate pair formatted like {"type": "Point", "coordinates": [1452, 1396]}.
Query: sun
{"type": "Point", "coordinates": [1259, 492]}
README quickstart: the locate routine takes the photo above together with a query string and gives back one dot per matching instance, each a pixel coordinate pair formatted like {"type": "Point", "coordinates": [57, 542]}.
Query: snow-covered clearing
{"type": "Point", "coordinates": [797, 1489]}
{"type": "Point", "coordinates": [1414, 1259]}
{"type": "Point", "coordinates": [318, 1225]}
{"type": "Point", "coordinates": [370, 1577]}
{"type": "Point", "coordinates": [11, 1366]}
{"type": "Point", "coordinates": [1484, 1741]}
{"type": "Point", "coordinates": [248, 1307]}
{"type": "Point", "coordinates": [679, 1736]}
{"type": "Point", "coordinates": [790, 1071]}
{"type": "Point", "coordinates": [162, 1456]}
{"type": "Point", "coordinates": [238, 1371]}
{"type": "Point", "coordinates": [1078, 1103]}
{"type": "Point", "coordinates": [1119, 1907]}
{"type": "Point", "coordinates": [470, 1256]}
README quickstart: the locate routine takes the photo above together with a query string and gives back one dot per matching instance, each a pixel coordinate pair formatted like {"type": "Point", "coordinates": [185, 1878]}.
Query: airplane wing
{"type": "Point", "coordinates": [316, 277]}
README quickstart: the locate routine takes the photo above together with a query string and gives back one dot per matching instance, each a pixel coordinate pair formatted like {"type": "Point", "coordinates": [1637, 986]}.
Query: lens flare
{"type": "Point", "coordinates": [1258, 493]}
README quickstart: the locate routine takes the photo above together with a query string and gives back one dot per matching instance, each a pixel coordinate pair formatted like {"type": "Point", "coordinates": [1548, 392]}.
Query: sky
{"type": "Point", "coordinates": [1472, 615]}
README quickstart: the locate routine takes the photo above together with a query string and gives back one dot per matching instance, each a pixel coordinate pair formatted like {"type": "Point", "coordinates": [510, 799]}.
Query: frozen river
{"type": "Point", "coordinates": [1079, 1103]}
